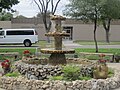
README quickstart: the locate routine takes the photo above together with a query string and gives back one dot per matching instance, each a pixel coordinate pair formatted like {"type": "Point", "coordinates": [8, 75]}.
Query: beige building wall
{"type": "Point", "coordinates": [81, 31]}
{"type": "Point", "coordinates": [5, 24]}
{"type": "Point", "coordinates": [85, 32]}
{"type": "Point", "coordinates": [115, 33]}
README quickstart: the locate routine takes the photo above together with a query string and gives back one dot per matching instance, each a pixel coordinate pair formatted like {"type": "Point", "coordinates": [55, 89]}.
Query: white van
{"type": "Point", "coordinates": [18, 36]}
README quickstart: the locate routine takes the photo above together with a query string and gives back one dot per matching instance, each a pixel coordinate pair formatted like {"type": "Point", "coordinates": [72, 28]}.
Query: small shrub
{"type": "Point", "coordinates": [110, 72]}
{"type": "Point", "coordinates": [13, 74]}
{"type": "Point", "coordinates": [71, 72]}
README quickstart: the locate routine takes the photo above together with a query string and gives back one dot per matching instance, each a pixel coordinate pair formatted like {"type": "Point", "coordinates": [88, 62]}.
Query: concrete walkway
{"type": "Point", "coordinates": [70, 44]}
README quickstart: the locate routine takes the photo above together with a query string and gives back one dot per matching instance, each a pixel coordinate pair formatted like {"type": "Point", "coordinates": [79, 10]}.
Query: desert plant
{"type": "Point", "coordinates": [71, 72]}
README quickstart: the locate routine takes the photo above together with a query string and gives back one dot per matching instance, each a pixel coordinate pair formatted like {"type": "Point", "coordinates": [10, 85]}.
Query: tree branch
{"type": "Point", "coordinates": [55, 7]}
{"type": "Point", "coordinates": [38, 6]}
{"type": "Point", "coordinates": [52, 6]}
{"type": "Point", "coordinates": [46, 8]}
{"type": "Point", "coordinates": [43, 5]}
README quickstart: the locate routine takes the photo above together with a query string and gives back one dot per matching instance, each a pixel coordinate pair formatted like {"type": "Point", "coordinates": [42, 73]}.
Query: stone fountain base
{"type": "Point", "coordinates": [57, 58]}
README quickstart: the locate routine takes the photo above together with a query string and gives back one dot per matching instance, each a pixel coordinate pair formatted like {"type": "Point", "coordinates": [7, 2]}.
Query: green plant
{"type": "Point", "coordinates": [117, 53]}
{"type": "Point", "coordinates": [110, 72]}
{"type": "Point", "coordinates": [92, 57]}
{"type": "Point", "coordinates": [13, 74]}
{"type": "Point", "coordinates": [84, 78]}
{"type": "Point", "coordinates": [101, 50]}
{"type": "Point", "coordinates": [56, 78]}
{"type": "Point", "coordinates": [71, 72]}
{"type": "Point", "coordinates": [117, 56]}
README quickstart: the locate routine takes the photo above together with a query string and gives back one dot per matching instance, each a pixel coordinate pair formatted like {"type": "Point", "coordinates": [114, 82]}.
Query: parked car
{"type": "Point", "coordinates": [18, 36]}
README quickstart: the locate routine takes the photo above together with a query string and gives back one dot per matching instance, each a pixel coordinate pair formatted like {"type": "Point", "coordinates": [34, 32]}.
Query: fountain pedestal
{"type": "Point", "coordinates": [56, 58]}
{"type": "Point", "coordinates": [58, 53]}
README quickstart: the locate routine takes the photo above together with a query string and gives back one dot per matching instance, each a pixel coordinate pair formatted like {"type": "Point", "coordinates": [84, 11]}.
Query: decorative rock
{"type": "Point", "coordinates": [33, 77]}
{"type": "Point", "coordinates": [39, 71]}
{"type": "Point", "coordinates": [21, 83]}
{"type": "Point", "coordinates": [87, 71]}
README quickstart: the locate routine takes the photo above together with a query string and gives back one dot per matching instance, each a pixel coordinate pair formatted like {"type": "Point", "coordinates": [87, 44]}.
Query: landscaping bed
{"type": "Point", "coordinates": [44, 76]}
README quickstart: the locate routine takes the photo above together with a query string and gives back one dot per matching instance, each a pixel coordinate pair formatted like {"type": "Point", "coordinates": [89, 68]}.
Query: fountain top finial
{"type": "Point", "coordinates": [57, 17]}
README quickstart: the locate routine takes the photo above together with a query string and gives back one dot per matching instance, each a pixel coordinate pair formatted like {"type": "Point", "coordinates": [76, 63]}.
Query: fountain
{"type": "Point", "coordinates": [58, 53]}
{"type": "Point", "coordinates": [38, 75]}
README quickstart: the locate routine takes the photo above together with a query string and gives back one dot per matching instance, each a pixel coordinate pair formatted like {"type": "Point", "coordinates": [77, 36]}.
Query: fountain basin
{"type": "Point", "coordinates": [57, 17]}
{"type": "Point", "coordinates": [51, 51]}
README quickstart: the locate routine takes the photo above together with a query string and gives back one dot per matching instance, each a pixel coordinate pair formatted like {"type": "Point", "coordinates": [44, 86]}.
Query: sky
{"type": "Point", "coordinates": [29, 9]}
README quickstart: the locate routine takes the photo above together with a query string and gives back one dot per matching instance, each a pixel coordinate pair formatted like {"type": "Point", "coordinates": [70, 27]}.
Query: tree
{"type": "Point", "coordinates": [43, 6]}
{"type": "Point", "coordinates": [7, 4]}
{"type": "Point", "coordinates": [110, 10]}
{"type": "Point", "coordinates": [85, 10]}
{"type": "Point", "coordinates": [5, 16]}
{"type": "Point", "coordinates": [21, 16]}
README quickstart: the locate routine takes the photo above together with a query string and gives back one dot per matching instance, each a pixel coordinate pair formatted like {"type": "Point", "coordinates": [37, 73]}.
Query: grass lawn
{"type": "Point", "coordinates": [20, 50]}
{"type": "Point", "coordinates": [44, 44]}
{"type": "Point", "coordinates": [101, 50]}
{"type": "Point", "coordinates": [99, 43]}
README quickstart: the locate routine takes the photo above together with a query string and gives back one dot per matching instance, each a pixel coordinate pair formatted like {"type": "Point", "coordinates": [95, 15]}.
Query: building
{"type": "Point", "coordinates": [78, 30]}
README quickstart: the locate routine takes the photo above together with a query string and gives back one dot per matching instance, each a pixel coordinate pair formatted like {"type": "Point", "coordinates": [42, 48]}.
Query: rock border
{"type": "Point", "coordinates": [21, 83]}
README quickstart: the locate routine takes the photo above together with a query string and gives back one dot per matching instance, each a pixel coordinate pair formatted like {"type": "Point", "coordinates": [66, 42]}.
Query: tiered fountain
{"type": "Point", "coordinates": [58, 53]}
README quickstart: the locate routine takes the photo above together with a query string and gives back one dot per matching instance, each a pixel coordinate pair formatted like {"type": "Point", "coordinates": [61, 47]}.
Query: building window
{"type": "Point", "coordinates": [69, 30]}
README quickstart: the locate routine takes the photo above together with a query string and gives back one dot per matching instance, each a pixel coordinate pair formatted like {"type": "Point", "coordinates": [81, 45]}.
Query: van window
{"type": "Point", "coordinates": [1, 33]}
{"type": "Point", "coordinates": [21, 32]}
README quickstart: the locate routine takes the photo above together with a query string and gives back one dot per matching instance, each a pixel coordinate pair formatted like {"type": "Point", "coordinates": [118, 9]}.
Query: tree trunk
{"type": "Point", "coordinates": [106, 25]}
{"type": "Point", "coordinates": [95, 40]}
{"type": "Point", "coordinates": [107, 36]}
{"type": "Point", "coordinates": [47, 26]}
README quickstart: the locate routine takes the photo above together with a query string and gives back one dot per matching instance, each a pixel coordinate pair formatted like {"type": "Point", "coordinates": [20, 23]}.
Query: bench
{"type": "Point", "coordinates": [12, 54]}
{"type": "Point", "coordinates": [106, 54]}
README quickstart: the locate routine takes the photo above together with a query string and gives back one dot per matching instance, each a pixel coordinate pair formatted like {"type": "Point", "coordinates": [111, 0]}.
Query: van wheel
{"type": "Point", "coordinates": [27, 43]}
